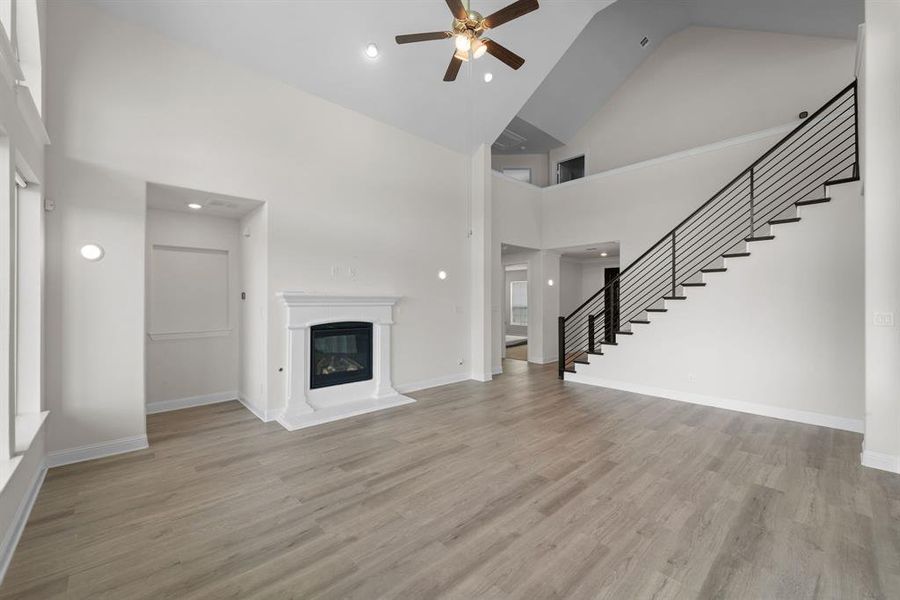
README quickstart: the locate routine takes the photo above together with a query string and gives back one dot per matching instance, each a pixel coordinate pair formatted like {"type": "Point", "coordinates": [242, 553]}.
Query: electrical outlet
{"type": "Point", "coordinates": [883, 319]}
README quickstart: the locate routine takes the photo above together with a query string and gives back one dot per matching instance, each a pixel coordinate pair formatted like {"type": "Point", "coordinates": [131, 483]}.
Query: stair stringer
{"type": "Point", "coordinates": [780, 333]}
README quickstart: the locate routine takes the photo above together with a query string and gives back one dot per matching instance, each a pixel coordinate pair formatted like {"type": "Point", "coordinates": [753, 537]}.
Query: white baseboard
{"type": "Point", "coordinates": [878, 460]}
{"type": "Point", "coordinates": [262, 415]}
{"type": "Point", "coordinates": [179, 403]}
{"type": "Point", "coordinates": [14, 533]}
{"type": "Point", "coordinates": [430, 383]}
{"type": "Point", "coordinates": [763, 410]}
{"type": "Point", "coordinates": [59, 458]}
{"type": "Point", "coordinates": [546, 360]}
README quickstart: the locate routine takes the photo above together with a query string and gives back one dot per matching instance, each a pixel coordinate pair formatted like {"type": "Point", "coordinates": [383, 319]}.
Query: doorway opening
{"type": "Point", "coordinates": [570, 169]}
{"type": "Point", "coordinates": [584, 271]}
{"type": "Point", "coordinates": [516, 312]}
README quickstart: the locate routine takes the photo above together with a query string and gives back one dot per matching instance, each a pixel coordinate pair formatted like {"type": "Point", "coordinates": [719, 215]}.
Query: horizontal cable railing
{"type": "Point", "coordinates": [822, 149]}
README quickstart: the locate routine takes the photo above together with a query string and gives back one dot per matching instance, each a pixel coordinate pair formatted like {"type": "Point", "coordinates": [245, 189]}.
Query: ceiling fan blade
{"type": "Point", "coordinates": [513, 11]}
{"type": "Point", "coordinates": [453, 68]}
{"type": "Point", "coordinates": [507, 56]}
{"type": "Point", "coordinates": [456, 7]}
{"type": "Point", "coordinates": [423, 37]}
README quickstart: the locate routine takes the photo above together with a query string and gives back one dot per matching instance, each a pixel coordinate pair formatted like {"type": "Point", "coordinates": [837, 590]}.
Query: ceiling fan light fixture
{"type": "Point", "coordinates": [463, 43]}
{"type": "Point", "coordinates": [479, 48]}
{"type": "Point", "coordinates": [463, 56]}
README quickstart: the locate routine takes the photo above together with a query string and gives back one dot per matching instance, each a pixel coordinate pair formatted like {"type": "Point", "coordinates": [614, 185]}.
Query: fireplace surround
{"type": "Point", "coordinates": [329, 374]}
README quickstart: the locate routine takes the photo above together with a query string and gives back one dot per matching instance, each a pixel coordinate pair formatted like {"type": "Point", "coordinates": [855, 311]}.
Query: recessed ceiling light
{"type": "Point", "coordinates": [488, 77]}
{"type": "Point", "coordinates": [92, 252]}
{"type": "Point", "coordinates": [194, 206]}
{"type": "Point", "coordinates": [372, 50]}
{"type": "Point", "coordinates": [604, 254]}
{"type": "Point", "coordinates": [550, 282]}
{"type": "Point", "coordinates": [442, 274]}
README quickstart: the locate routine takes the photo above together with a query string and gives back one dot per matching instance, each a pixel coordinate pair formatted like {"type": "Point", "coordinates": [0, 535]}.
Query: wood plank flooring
{"type": "Point", "coordinates": [524, 487]}
{"type": "Point", "coordinates": [519, 352]}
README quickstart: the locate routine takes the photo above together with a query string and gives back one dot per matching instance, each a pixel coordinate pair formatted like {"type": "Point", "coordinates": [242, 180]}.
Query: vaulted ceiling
{"type": "Point", "coordinates": [609, 49]}
{"type": "Point", "coordinates": [318, 46]}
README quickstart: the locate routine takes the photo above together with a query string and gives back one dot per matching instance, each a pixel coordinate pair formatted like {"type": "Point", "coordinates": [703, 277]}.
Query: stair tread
{"type": "Point", "coordinates": [785, 220]}
{"type": "Point", "coordinates": [841, 180]}
{"type": "Point", "coordinates": [639, 321]}
{"type": "Point", "coordinates": [813, 201]}
{"type": "Point", "coordinates": [657, 309]}
{"type": "Point", "coordinates": [578, 361]}
{"type": "Point", "coordinates": [609, 343]}
{"type": "Point", "coordinates": [624, 333]}
{"type": "Point", "coordinates": [568, 370]}
{"type": "Point", "coordinates": [759, 238]}
{"type": "Point", "coordinates": [694, 284]}
{"type": "Point", "coordinates": [674, 297]}
{"type": "Point", "coordinates": [714, 270]}
{"type": "Point", "coordinates": [735, 254]}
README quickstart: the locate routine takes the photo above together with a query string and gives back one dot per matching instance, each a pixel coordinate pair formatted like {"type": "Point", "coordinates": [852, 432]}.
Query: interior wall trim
{"type": "Point", "coordinates": [881, 461]}
{"type": "Point", "coordinates": [753, 408]}
{"type": "Point", "coordinates": [263, 415]}
{"type": "Point", "coordinates": [58, 458]}
{"type": "Point", "coordinates": [14, 533]}
{"type": "Point", "coordinates": [434, 382]}
{"type": "Point", "coordinates": [180, 403]}
{"type": "Point", "coordinates": [188, 335]}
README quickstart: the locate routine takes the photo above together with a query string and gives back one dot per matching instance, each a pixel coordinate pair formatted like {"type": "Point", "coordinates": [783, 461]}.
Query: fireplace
{"type": "Point", "coordinates": [333, 340]}
{"type": "Point", "coordinates": [340, 353]}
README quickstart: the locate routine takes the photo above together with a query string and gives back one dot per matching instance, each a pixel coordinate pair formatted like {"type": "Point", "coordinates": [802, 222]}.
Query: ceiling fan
{"type": "Point", "coordinates": [467, 29]}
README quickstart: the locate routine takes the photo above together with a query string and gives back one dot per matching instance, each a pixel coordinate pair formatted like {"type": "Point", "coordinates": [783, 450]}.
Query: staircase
{"type": "Point", "coordinates": [795, 172]}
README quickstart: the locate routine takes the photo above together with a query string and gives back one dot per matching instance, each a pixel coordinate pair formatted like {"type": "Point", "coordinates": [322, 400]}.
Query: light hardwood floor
{"type": "Point", "coordinates": [519, 352]}
{"type": "Point", "coordinates": [521, 488]}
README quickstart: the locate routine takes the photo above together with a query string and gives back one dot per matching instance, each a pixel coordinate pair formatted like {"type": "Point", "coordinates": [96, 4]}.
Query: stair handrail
{"type": "Point", "coordinates": [672, 233]}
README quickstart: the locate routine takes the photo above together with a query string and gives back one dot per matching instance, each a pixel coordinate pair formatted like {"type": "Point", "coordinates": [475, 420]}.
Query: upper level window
{"type": "Point", "coordinates": [567, 170]}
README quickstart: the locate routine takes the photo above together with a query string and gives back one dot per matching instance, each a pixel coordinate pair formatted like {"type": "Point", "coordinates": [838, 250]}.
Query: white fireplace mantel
{"type": "Point", "coordinates": [306, 407]}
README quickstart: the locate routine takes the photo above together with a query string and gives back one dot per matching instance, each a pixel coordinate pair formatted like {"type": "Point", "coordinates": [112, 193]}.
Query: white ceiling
{"type": "Point", "coordinates": [581, 82]}
{"type": "Point", "coordinates": [588, 252]}
{"type": "Point", "coordinates": [317, 46]}
{"type": "Point", "coordinates": [168, 197]}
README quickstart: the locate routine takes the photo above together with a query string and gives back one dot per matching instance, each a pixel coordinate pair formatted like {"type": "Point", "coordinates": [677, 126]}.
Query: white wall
{"type": "Point", "coordinates": [174, 115]}
{"type": "Point", "coordinates": [191, 364]}
{"type": "Point", "coordinates": [881, 99]}
{"type": "Point", "coordinates": [254, 310]}
{"type": "Point", "coordinates": [538, 163]}
{"type": "Point", "coordinates": [707, 84]}
{"type": "Point", "coordinates": [593, 276]}
{"type": "Point", "coordinates": [580, 279]}
{"type": "Point", "coordinates": [570, 275]}
{"type": "Point", "coordinates": [778, 333]}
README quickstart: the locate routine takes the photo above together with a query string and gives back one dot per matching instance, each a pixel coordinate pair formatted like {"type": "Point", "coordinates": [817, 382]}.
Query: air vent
{"type": "Point", "coordinates": [509, 139]}
{"type": "Point", "coordinates": [645, 41]}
